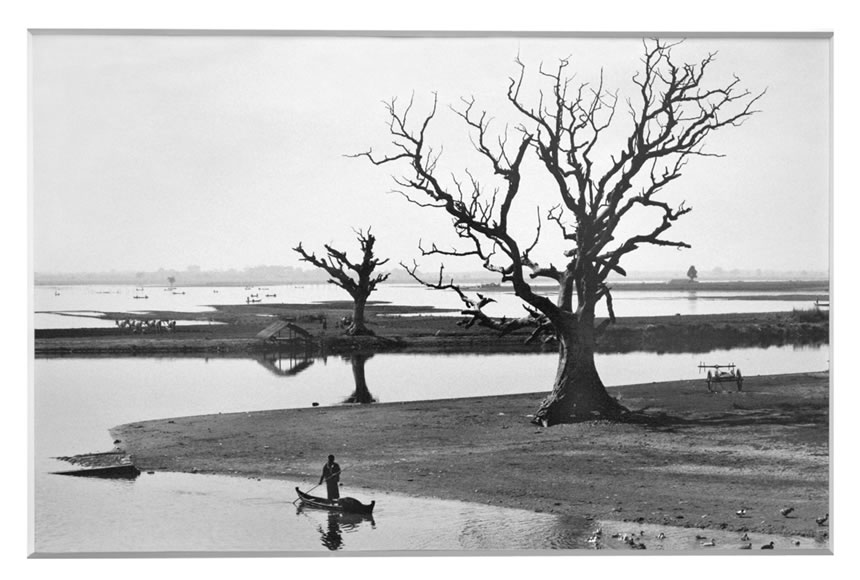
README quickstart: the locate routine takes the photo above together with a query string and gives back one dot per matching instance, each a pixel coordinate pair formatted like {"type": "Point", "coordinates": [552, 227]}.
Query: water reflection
{"type": "Point", "coordinates": [331, 537]}
{"type": "Point", "coordinates": [361, 394]}
{"type": "Point", "coordinates": [286, 364]}
{"type": "Point", "coordinates": [338, 523]}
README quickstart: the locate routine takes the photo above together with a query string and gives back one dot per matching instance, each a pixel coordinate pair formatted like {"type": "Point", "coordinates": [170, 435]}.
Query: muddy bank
{"type": "Point", "coordinates": [423, 330]}
{"type": "Point", "coordinates": [692, 461]}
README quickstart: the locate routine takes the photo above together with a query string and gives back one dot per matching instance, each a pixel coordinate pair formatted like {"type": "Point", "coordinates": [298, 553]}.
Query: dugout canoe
{"type": "Point", "coordinates": [344, 504]}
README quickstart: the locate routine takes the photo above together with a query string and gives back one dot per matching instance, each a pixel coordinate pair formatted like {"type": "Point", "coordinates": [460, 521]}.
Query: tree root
{"type": "Point", "coordinates": [610, 410]}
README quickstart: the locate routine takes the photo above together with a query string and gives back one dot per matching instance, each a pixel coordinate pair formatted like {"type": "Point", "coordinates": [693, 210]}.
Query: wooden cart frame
{"type": "Point", "coordinates": [716, 374]}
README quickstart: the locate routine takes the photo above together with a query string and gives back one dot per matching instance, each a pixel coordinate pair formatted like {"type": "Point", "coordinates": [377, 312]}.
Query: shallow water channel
{"type": "Point", "coordinates": [76, 400]}
{"type": "Point", "coordinates": [82, 305]}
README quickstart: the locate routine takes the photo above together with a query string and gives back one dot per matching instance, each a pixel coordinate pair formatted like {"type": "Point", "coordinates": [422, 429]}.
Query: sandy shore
{"type": "Point", "coordinates": [692, 462]}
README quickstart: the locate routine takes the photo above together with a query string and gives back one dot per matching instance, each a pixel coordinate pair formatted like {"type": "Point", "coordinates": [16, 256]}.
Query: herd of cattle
{"type": "Point", "coordinates": [137, 326]}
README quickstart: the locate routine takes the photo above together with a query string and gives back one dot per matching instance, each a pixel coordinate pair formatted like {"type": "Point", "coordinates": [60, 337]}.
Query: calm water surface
{"type": "Point", "coordinates": [86, 302]}
{"type": "Point", "coordinates": [183, 512]}
{"type": "Point", "coordinates": [77, 400]}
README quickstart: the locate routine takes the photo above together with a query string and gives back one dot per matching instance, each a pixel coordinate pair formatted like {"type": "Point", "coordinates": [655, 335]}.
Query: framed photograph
{"type": "Point", "coordinates": [399, 293]}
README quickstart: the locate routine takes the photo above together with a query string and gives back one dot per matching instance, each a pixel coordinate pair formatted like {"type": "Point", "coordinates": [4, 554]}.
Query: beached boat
{"type": "Point", "coordinates": [344, 504]}
{"type": "Point", "coordinates": [125, 471]}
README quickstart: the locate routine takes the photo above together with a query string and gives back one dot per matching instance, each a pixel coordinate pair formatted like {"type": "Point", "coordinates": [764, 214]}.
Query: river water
{"type": "Point", "coordinates": [76, 400]}
{"type": "Point", "coordinates": [81, 305]}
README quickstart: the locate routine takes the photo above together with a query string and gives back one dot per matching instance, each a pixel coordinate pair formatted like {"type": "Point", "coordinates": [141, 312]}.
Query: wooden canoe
{"type": "Point", "coordinates": [344, 504]}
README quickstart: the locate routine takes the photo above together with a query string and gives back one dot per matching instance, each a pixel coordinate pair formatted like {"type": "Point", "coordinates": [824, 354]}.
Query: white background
{"type": "Point", "coordinates": [535, 15]}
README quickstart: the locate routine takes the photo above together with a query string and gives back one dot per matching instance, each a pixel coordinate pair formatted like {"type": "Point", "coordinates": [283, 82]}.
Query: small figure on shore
{"type": "Point", "coordinates": [786, 511]}
{"type": "Point", "coordinates": [331, 477]}
{"type": "Point", "coordinates": [822, 520]}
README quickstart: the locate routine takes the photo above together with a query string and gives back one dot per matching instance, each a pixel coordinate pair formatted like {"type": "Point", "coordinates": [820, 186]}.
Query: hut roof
{"type": "Point", "coordinates": [278, 326]}
{"type": "Point", "coordinates": [272, 329]}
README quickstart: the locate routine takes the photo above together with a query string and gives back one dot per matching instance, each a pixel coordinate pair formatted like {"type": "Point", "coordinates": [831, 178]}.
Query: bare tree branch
{"type": "Point", "coordinates": [474, 314]}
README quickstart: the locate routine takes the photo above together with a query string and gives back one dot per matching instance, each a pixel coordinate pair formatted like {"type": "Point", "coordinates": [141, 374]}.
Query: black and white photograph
{"type": "Point", "coordinates": [309, 293]}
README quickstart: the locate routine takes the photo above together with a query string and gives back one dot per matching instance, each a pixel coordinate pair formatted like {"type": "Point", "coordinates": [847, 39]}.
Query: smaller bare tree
{"type": "Point", "coordinates": [341, 270]}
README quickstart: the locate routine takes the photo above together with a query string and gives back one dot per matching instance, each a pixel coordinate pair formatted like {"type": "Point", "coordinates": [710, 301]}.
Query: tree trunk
{"type": "Point", "coordinates": [361, 393]}
{"type": "Point", "coordinates": [358, 327]}
{"type": "Point", "coordinates": [578, 393]}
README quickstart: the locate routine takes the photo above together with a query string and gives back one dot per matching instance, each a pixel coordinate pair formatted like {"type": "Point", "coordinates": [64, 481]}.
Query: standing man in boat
{"type": "Point", "coordinates": [331, 476]}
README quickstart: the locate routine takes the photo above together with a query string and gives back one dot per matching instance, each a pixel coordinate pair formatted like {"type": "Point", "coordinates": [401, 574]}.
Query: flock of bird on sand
{"type": "Point", "coordinates": [634, 540]}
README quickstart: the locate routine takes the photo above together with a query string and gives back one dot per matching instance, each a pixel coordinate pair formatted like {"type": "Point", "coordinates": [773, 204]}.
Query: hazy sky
{"type": "Point", "coordinates": [225, 152]}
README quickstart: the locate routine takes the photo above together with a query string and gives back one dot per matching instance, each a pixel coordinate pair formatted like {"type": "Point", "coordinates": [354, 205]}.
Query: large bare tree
{"type": "Point", "coordinates": [671, 114]}
{"type": "Point", "coordinates": [357, 278]}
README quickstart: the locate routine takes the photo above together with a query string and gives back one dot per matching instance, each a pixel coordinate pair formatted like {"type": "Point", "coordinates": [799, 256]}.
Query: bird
{"type": "Point", "coordinates": [785, 511]}
{"type": "Point", "coordinates": [767, 546]}
{"type": "Point", "coordinates": [698, 537]}
{"type": "Point", "coordinates": [746, 546]}
{"type": "Point", "coordinates": [745, 537]}
{"type": "Point", "coordinates": [630, 541]}
{"type": "Point", "coordinates": [709, 544]}
{"type": "Point", "coordinates": [822, 520]}
{"type": "Point", "coordinates": [742, 512]}
{"type": "Point", "coordinates": [661, 536]}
